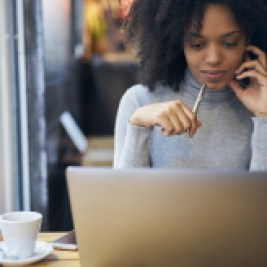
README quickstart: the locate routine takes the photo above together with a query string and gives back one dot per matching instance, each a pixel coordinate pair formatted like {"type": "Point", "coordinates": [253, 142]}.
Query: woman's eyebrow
{"type": "Point", "coordinates": [197, 35]}
{"type": "Point", "coordinates": [231, 33]}
{"type": "Point", "coordinates": [194, 35]}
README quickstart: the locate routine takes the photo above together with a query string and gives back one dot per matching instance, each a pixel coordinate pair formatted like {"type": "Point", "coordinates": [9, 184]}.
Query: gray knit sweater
{"type": "Point", "coordinates": [230, 137]}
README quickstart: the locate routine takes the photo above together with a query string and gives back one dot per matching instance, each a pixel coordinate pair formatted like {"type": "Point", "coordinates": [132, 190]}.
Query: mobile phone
{"type": "Point", "coordinates": [66, 242]}
{"type": "Point", "coordinates": [244, 83]}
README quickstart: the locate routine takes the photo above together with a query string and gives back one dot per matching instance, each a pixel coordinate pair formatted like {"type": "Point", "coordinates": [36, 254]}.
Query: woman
{"type": "Point", "coordinates": [183, 44]}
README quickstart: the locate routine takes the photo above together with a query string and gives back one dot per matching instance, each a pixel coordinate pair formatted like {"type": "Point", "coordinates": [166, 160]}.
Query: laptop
{"type": "Point", "coordinates": [169, 218]}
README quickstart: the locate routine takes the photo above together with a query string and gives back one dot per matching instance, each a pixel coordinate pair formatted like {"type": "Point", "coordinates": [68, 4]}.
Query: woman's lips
{"type": "Point", "coordinates": [213, 75]}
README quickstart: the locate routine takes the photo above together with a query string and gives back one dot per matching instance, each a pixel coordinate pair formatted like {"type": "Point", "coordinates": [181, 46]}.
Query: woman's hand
{"type": "Point", "coordinates": [254, 96]}
{"type": "Point", "coordinates": [174, 117]}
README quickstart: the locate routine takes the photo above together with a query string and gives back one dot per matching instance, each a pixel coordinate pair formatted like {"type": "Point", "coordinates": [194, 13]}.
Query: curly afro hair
{"type": "Point", "coordinates": [157, 29]}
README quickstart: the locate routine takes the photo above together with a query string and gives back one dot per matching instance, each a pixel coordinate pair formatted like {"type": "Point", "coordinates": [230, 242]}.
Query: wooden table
{"type": "Point", "coordinates": [58, 258]}
{"type": "Point", "coordinates": [100, 151]}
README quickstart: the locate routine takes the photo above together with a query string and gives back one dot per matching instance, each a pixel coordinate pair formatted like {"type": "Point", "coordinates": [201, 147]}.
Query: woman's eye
{"type": "Point", "coordinates": [229, 44]}
{"type": "Point", "coordinates": [196, 45]}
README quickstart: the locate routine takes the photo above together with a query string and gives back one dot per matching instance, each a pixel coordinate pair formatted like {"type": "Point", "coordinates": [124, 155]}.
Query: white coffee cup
{"type": "Point", "coordinates": [20, 231]}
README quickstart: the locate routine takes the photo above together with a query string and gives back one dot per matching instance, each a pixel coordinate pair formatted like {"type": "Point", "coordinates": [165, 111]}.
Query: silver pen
{"type": "Point", "coordinates": [199, 98]}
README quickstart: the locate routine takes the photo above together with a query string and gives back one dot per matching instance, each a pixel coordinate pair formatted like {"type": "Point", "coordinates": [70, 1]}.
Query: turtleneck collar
{"type": "Point", "coordinates": [191, 86]}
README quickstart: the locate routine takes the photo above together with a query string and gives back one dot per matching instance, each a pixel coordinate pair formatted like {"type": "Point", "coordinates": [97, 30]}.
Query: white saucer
{"type": "Point", "coordinates": [42, 250]}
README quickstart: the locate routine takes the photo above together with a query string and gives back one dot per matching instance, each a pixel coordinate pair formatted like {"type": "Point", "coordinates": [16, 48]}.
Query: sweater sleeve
{"type": "Point", "coordinates": [131, 142]}
{"type": "Point", "coordinates": [259, 145]}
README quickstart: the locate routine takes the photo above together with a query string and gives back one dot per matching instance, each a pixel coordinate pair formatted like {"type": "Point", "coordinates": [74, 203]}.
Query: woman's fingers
{"type": "Point", "coordinates": [255, 69]}
{"type": "Point", "coordinates": [173, 117]}
{"type": "Point", "coordinates": [166, 125]}
{"type": "Point", "coordinates": [261, 78]}
{"type": "Point", "coordinates": [251, 65]}
{"type": "Point", "coordinates": [173, 120]}
{"type": "Point", "coordinates": [193, 130]}
{"type": "Point", "coordinates": [195, 124]}
{"type": "Point", "coordinates": [182, 117]}
{"type": "Point", "coordinates": [182, 120]}
{"type": "Point", "coordinates": [259, 53]}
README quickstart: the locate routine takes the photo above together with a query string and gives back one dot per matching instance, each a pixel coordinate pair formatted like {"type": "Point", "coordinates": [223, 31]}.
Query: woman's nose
{"type": "Point", "coordinates": [213, 56]}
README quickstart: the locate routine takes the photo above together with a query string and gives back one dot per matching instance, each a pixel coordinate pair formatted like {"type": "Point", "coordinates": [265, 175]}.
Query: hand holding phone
{"type": "Point", "coordinates": [244, 83]}
{"type": "Point", "coordinates": [254, 67]}
{"type": "Point", "coordinates": [66, 242]}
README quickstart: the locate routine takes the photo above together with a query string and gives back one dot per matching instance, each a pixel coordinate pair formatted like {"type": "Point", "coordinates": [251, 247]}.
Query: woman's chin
{"type": "Point", "coordinates": [217, 86]}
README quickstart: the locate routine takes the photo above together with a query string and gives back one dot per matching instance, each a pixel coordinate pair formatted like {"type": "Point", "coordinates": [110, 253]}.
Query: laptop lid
{"type": "Point", "coordinates": [169, 217]}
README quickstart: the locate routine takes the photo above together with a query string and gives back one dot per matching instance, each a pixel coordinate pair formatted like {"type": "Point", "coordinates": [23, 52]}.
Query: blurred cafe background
{"type": "Point", "coordinates": [58, 57]}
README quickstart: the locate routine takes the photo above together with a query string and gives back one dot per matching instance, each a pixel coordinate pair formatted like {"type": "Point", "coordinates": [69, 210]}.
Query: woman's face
{"type": "Point", "coordinates": [214, 54]}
